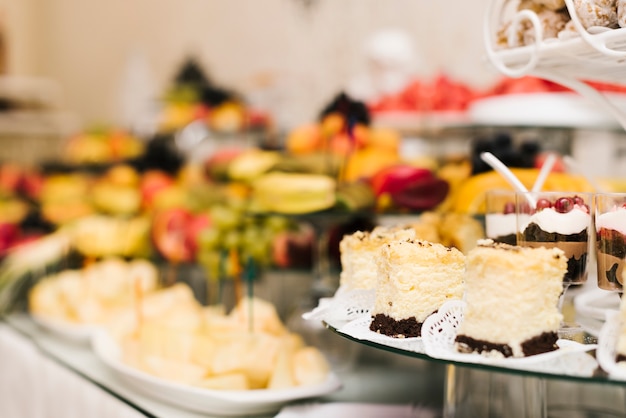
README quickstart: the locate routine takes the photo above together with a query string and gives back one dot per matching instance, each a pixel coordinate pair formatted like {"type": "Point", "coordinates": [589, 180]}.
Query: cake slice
{"type": "Point", "coordinates": [415, 278]}
{"type": "Point", "coordinates": [512, 296]}
{"type": "Point", "coordinates": [358, 252]}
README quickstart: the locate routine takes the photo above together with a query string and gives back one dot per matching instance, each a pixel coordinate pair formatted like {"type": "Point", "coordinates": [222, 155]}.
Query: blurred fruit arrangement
{"type": "Point", "coordinates": [156, 214]}
{"type": "Point", "coordinates": [243, 199]}
{"type": "Point", "coordinates": [101, 146]}
{"type": "Point", "coordinates": [20, 187]}
{"type": "Point", "coordinates": [355, 154]}
{"type": "Point", "coordinates": [244, 208]}
{"type": "Point", "coordinates": [193, 97]}
{"type": "Point", "coordinates": [442, 93]}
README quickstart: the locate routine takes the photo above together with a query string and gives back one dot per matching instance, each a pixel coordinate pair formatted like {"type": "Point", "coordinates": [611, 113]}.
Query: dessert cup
{"type": "Point", "coordinates": [562, 220]}
{"type": "Point", "coordinates": [500, 216]}
{"type": "Point", "coordinates": [557, 219]}
{"type": "Point", "coordinates": [610, 226]}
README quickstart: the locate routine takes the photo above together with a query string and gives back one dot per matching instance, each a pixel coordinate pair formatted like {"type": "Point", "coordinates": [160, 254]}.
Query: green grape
{"type": "Point", "coordinates": [251, 235]}
{"type": "Point", "coordinates": [210, 239]}
{"type": "Point", "coordinates": [239, 204]}
{"type": "Point", "coordinates": [232, 239]}
{"type": "Point", "coordinates": [234, 229]}
{"type": "Point", "coordinates": [224, 217]}
{"type": "Point", "coordinates": [210, 261]}
{"type": "Point", "coordinates": [277, 223]}
{"type": "Point", "coordinates": [259, 253]}
{"type": "Point", "coordinates": [249, 222]}
{"type": "Point", "coordinates": [268, 233]}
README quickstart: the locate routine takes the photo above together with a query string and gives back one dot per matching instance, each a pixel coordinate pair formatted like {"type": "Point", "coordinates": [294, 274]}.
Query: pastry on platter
{"type": "Point", "coordinates": [512, 296]}
{"type": "Point", "coordinates": [415, 278]}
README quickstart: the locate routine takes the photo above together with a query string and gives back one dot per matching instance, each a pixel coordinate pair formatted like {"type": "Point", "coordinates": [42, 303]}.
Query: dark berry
{"type": "Point", "coordinates": [509, 207]}
{"type": "Point", "coordinates": [579, 200]}
{"type": "Point", "coordinates": [543, 204]}
{"type": "Point", "coordinates": [564, 204]}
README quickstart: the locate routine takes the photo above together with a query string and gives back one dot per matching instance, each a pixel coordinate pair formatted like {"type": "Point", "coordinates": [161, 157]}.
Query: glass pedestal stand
{"type": "Point", "coordinates": [324, 284]}
{"type": "Point", "coordinates": [566, 399]}
{"type": "Point", "coordinates": [341, 353]}
{"type": "Point", "coordinates": [326, 281]}
{"type": "Point", "coordinates": [471, 392]}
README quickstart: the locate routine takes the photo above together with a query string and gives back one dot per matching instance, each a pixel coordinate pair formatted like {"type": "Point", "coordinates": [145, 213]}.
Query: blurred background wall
{"type": "Point", "coordinates": [293, 55]}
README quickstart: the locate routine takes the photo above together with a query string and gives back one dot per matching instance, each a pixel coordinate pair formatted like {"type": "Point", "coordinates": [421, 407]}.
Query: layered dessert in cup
{"type": "Point", "coordinates": [500, 216]}
{"type": "Point", "coordinates": [557, 219]}
{"type": "Point", "coordinates": [610, 222]}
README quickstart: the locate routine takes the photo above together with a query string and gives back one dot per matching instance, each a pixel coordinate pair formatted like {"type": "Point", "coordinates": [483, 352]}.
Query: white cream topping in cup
{"type": "Point", "coordinates": [612, 220]}
{"type": "Point", "coordinates": [551, 221]}
{"type": "Point", "coordinates": [499, 224]}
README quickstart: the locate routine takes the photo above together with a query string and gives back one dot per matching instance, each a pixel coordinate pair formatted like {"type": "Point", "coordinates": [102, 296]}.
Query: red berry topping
{"type": "Point", "coordinates": [509, 207]}
{"type": "Point", "coordinates": [564, 204]}
{"type": "Point", "coordinates": [543, 204]}
{"type": "Point", "coordinates": [579, 200]}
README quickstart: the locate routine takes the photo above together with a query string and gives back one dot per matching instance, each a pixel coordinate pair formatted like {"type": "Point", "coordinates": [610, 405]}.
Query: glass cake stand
{"type": "Point", "coordinates": [483, 390]}
{"type": "Point", "coordinates": [568, 385]}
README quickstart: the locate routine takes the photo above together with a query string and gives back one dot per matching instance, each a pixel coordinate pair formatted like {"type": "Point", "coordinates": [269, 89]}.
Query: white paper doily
{"type": "Point", "coordinates": [345, 306]}
{"type": "Point", "coordinates": [360, 329]}
{"type": "Point", "coordinates": [440, 329]}
{"type": "Point", "coordinates": [318, 313]}
{"type": "Point", "coordinates": [607, 343]}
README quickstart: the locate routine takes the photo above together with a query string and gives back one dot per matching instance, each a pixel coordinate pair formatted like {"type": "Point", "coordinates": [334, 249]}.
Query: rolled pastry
{"type": "Point", "coordinates": [621, 13]}
{"type": "Point", "coordinates": [597, 13]}
{"type": "Point", "coordinates": [548, 4]}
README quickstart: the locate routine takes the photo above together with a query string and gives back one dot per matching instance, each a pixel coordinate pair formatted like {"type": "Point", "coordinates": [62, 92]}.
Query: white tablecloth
{"type": "Point", "coordinates": [34, 386]}
{"type": "Point", "coordinates": [45, 376]}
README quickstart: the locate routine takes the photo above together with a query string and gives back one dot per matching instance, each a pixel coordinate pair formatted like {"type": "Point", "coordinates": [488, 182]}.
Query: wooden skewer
{"type": "Point", "coordinates": [138, 293]}
{"type": "Point", "coordinates": [236, 269]}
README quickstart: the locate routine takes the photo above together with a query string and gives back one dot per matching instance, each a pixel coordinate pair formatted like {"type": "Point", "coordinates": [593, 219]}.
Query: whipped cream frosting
{"type": "Point", "coordinates": [499, 224]}
{"type": "Point", "coordinates": [612, 220]}
{"type": "Point", "coordinates": [549, 220]}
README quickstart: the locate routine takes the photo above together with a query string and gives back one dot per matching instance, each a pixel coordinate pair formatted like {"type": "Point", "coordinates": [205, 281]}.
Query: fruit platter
{"type": "Point", "coordinates": [161, 341]}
